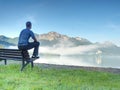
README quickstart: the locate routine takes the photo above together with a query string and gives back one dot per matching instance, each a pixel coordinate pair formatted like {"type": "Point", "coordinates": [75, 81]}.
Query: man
{"type": "Point", "coordinates": [24, 44]}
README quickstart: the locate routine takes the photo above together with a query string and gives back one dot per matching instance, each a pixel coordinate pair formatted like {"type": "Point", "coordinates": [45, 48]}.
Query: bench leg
{"type": "Point", "coordinates": [5, 61]}
{"type": "Point", "coordinates": [25, 64]}
{"type": "Point", "coordinates": [32, 64]}
{"type": "Point", "coordinates": [31, 61]}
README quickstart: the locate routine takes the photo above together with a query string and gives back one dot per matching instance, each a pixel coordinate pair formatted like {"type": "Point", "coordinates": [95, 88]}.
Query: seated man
{"type": "Point", "coordinates": [24, 44]}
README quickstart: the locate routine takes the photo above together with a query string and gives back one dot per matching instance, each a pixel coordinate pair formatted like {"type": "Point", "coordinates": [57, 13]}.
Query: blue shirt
{"type": "Point", "coordinates": [25, 36]}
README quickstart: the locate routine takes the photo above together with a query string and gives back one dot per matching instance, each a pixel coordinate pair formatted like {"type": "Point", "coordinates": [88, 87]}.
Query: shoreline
{"type": "Point", "coordinates": [88, 68]}
{"type": "Point", "coordinates": [100, 69]}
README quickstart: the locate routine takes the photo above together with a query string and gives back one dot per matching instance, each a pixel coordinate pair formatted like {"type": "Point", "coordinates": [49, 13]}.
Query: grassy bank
{"type": "Point", "coordinates": [56, 79]}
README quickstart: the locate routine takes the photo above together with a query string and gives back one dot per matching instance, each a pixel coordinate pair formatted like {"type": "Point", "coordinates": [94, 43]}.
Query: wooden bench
{"type": "Point", "coordinates": [17, 55]}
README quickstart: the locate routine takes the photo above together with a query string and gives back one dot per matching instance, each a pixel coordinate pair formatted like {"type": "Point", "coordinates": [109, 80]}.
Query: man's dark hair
{"type": "Point", "coordinates": [28, 24]}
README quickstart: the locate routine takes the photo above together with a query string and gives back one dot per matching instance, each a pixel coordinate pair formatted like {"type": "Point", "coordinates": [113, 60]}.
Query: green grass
{"type": "Point", "coordinates": [11, 78]}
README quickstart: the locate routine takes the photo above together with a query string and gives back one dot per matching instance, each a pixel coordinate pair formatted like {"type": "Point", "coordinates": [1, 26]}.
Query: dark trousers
{"type": "Point", "coordinates": [31, 45]}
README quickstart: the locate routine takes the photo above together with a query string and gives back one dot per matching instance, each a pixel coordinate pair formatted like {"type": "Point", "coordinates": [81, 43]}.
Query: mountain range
{"type": "Point", "coordinates": [55, 40]}
{"type": "Point", "coordinates": [52, 39]}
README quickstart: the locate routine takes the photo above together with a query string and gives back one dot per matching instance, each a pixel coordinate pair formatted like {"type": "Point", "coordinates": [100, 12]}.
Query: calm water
{"type": "Point", "coordinates": [86, 60]}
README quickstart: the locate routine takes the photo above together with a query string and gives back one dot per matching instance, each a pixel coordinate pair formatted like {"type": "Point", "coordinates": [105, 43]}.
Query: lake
{"type": "Point", "coordinates": [79, 60]}
{"type": "Point", "coordinates": [82, 60]}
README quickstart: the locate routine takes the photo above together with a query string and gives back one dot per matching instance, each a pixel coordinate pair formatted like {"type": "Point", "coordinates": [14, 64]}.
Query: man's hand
{"type": "Point", "coordinates": [35, 40]}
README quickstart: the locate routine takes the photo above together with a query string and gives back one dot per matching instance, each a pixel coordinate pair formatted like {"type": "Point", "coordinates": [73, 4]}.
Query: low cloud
{"type": "Point", "coordinates": [68, 50]}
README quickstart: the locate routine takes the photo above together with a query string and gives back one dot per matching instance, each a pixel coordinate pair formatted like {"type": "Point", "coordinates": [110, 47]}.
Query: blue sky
{"type": "Point", "coordinates": [95, 20]}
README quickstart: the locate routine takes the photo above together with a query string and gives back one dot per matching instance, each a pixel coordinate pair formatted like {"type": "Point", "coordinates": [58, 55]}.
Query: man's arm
{"type": "Point", "coordinates": [33, 37]}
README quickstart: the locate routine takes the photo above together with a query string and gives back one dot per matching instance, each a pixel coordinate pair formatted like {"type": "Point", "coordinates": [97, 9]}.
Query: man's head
{"type": "Point", "coordinates": [28, 25]}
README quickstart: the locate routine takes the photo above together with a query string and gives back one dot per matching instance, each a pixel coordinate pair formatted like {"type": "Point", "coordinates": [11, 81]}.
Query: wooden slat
{"type": "Point", "coordinates": [7, 50]}
{"type": "Point", "coordinates": [8, 58]}
{"type": "Point", "coordinates": [17, 54]}
{"type": "Point", "coordinates": [10, 49]}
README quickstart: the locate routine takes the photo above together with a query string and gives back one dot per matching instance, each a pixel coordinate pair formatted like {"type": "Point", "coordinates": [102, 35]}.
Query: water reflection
{"type": "Point", "coordinates": [98, 57]}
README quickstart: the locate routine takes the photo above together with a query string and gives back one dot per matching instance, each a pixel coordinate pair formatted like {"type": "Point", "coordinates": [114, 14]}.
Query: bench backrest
{"type": "Point", "coordinates": [13, 54]}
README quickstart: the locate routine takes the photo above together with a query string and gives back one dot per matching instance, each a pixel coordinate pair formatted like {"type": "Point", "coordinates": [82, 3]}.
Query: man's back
{"type": "Point", "coordinates": [24, 37]}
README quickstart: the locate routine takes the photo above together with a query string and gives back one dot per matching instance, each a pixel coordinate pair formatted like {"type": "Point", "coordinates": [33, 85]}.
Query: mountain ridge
{"type": "Point", "coordinates": [55, 41]}
{"type": "Point", "coordinates": [53, 38]}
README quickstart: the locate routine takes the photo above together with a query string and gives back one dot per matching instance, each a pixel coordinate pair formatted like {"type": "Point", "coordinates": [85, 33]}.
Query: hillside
{"type": "Point", "coordinates": [6, 41]}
